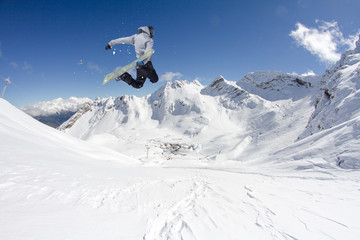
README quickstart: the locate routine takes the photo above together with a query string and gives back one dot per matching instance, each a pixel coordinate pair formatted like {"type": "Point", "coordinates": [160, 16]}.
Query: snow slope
{"type": "Point", "coordinates": [53, 186]}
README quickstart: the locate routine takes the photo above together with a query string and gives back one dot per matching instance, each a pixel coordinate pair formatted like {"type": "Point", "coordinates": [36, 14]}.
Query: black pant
{"type": "Point", "coordinates": [142, 72]}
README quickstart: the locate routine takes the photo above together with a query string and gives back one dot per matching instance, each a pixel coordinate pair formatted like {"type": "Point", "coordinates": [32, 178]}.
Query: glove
{"type": "Point", "coordinates": [107, 47]}
{"type": "Point", "coordinates": [140, 63]}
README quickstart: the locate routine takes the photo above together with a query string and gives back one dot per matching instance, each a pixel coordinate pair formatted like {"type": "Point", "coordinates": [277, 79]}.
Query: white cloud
{"type": "Point", "coordinates": [326, 41]}
{"type": "Point", "coordinates": [27, 66]}
{"type": "Point", "coordinates": [308, 73]}
{"type": "Point", "coordinates": [14, 65]}
{"type": "Point", "coordinates": [95, 67]}
{"type": "Point", "coordinates": [170, 76]}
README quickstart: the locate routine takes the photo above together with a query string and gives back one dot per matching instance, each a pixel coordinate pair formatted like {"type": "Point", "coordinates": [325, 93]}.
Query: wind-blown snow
{"type": "Point", "coordinates": [232, 160]}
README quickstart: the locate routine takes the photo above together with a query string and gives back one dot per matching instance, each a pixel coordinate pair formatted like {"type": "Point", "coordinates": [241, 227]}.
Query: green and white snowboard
{"type": "Point", "coordinates": [120, 71]}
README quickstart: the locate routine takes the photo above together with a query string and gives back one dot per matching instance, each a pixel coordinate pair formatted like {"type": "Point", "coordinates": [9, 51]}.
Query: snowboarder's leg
{"type": "Point", "coordinates": [142, 72]}
{"type": "Point", "coordinates": [126, 77]}
{"type": "Point", "coordinates": [140, 77]}
{"type": "Point", "coordinates": [151, 73]}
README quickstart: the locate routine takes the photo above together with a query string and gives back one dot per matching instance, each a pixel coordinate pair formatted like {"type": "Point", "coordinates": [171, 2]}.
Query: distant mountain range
{"type": "Point", "coordinates": [266, 110]}
{"type": "Point", "coordinates": [55, 112]}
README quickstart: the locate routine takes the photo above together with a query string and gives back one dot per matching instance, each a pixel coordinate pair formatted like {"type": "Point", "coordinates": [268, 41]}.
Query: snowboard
{"type": "Point", "coordinates": [122, 70]}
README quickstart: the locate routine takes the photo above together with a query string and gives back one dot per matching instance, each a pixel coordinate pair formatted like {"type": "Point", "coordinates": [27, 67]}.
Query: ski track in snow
{"type": "Point", "coordinates": [170, 223]}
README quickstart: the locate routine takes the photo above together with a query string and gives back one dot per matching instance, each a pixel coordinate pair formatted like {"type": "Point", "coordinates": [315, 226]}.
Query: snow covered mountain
{"type": "Point", "coordinates": [227, 120]}
{"type": "Point", "coordinates": [340, 99]}
{"type": "Point", "coordinates": [219, 121]}
{"type": "Point", "coordinates": [272, 156]}
{"type": "Point", "coordinates": [55, 112]}
{"type": "Point", "coordinates": [274, 86]}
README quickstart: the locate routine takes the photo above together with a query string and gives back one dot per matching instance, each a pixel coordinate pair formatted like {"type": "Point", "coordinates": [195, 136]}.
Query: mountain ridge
{"type": "Point", "coordinates": [55, 112]}
{"type": "Point", "coordinates": [229, 120]}
{"type": "Point", "coordinates": [189, 111]}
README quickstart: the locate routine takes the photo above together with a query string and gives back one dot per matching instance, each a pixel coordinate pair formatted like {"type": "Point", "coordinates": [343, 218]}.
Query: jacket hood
{"type": "Point", "coordinates": [146, 30]}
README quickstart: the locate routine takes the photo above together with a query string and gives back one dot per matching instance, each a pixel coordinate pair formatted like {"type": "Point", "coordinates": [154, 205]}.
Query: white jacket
{"type": "Point", "coordinates": [142, 42]}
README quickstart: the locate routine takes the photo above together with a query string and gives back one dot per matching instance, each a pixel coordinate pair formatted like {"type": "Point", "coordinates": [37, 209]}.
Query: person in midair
{"type": "Point", "coordinates": [143, 42]}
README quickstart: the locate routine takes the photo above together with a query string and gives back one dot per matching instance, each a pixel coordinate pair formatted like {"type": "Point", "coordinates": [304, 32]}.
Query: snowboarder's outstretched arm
{"type": "Point", "coordinates": [142, 41]}
{"type": "Point", "coordinates": [124, 40]}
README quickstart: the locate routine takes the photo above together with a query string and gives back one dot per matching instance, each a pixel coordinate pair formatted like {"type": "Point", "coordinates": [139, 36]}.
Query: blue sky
{"type": "Point", "coordinates": [43, 42]}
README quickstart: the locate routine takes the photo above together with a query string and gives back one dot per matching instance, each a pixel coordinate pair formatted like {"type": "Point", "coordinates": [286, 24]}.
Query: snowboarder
{"type": "Point", "coordinates": [143, 42]}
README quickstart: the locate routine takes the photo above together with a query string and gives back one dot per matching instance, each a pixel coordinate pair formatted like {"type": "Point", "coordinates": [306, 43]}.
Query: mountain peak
{"type": "Point", "coordinates": [220, 77]}
{"type": "Point", "coordinates": [181, 83]}
{"type": "Point", "coordinates": [275, 85]}
{"type": "Point", "coordinates": [231, 94]}
{"type": "Point", "coordinates": [222, 86]}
